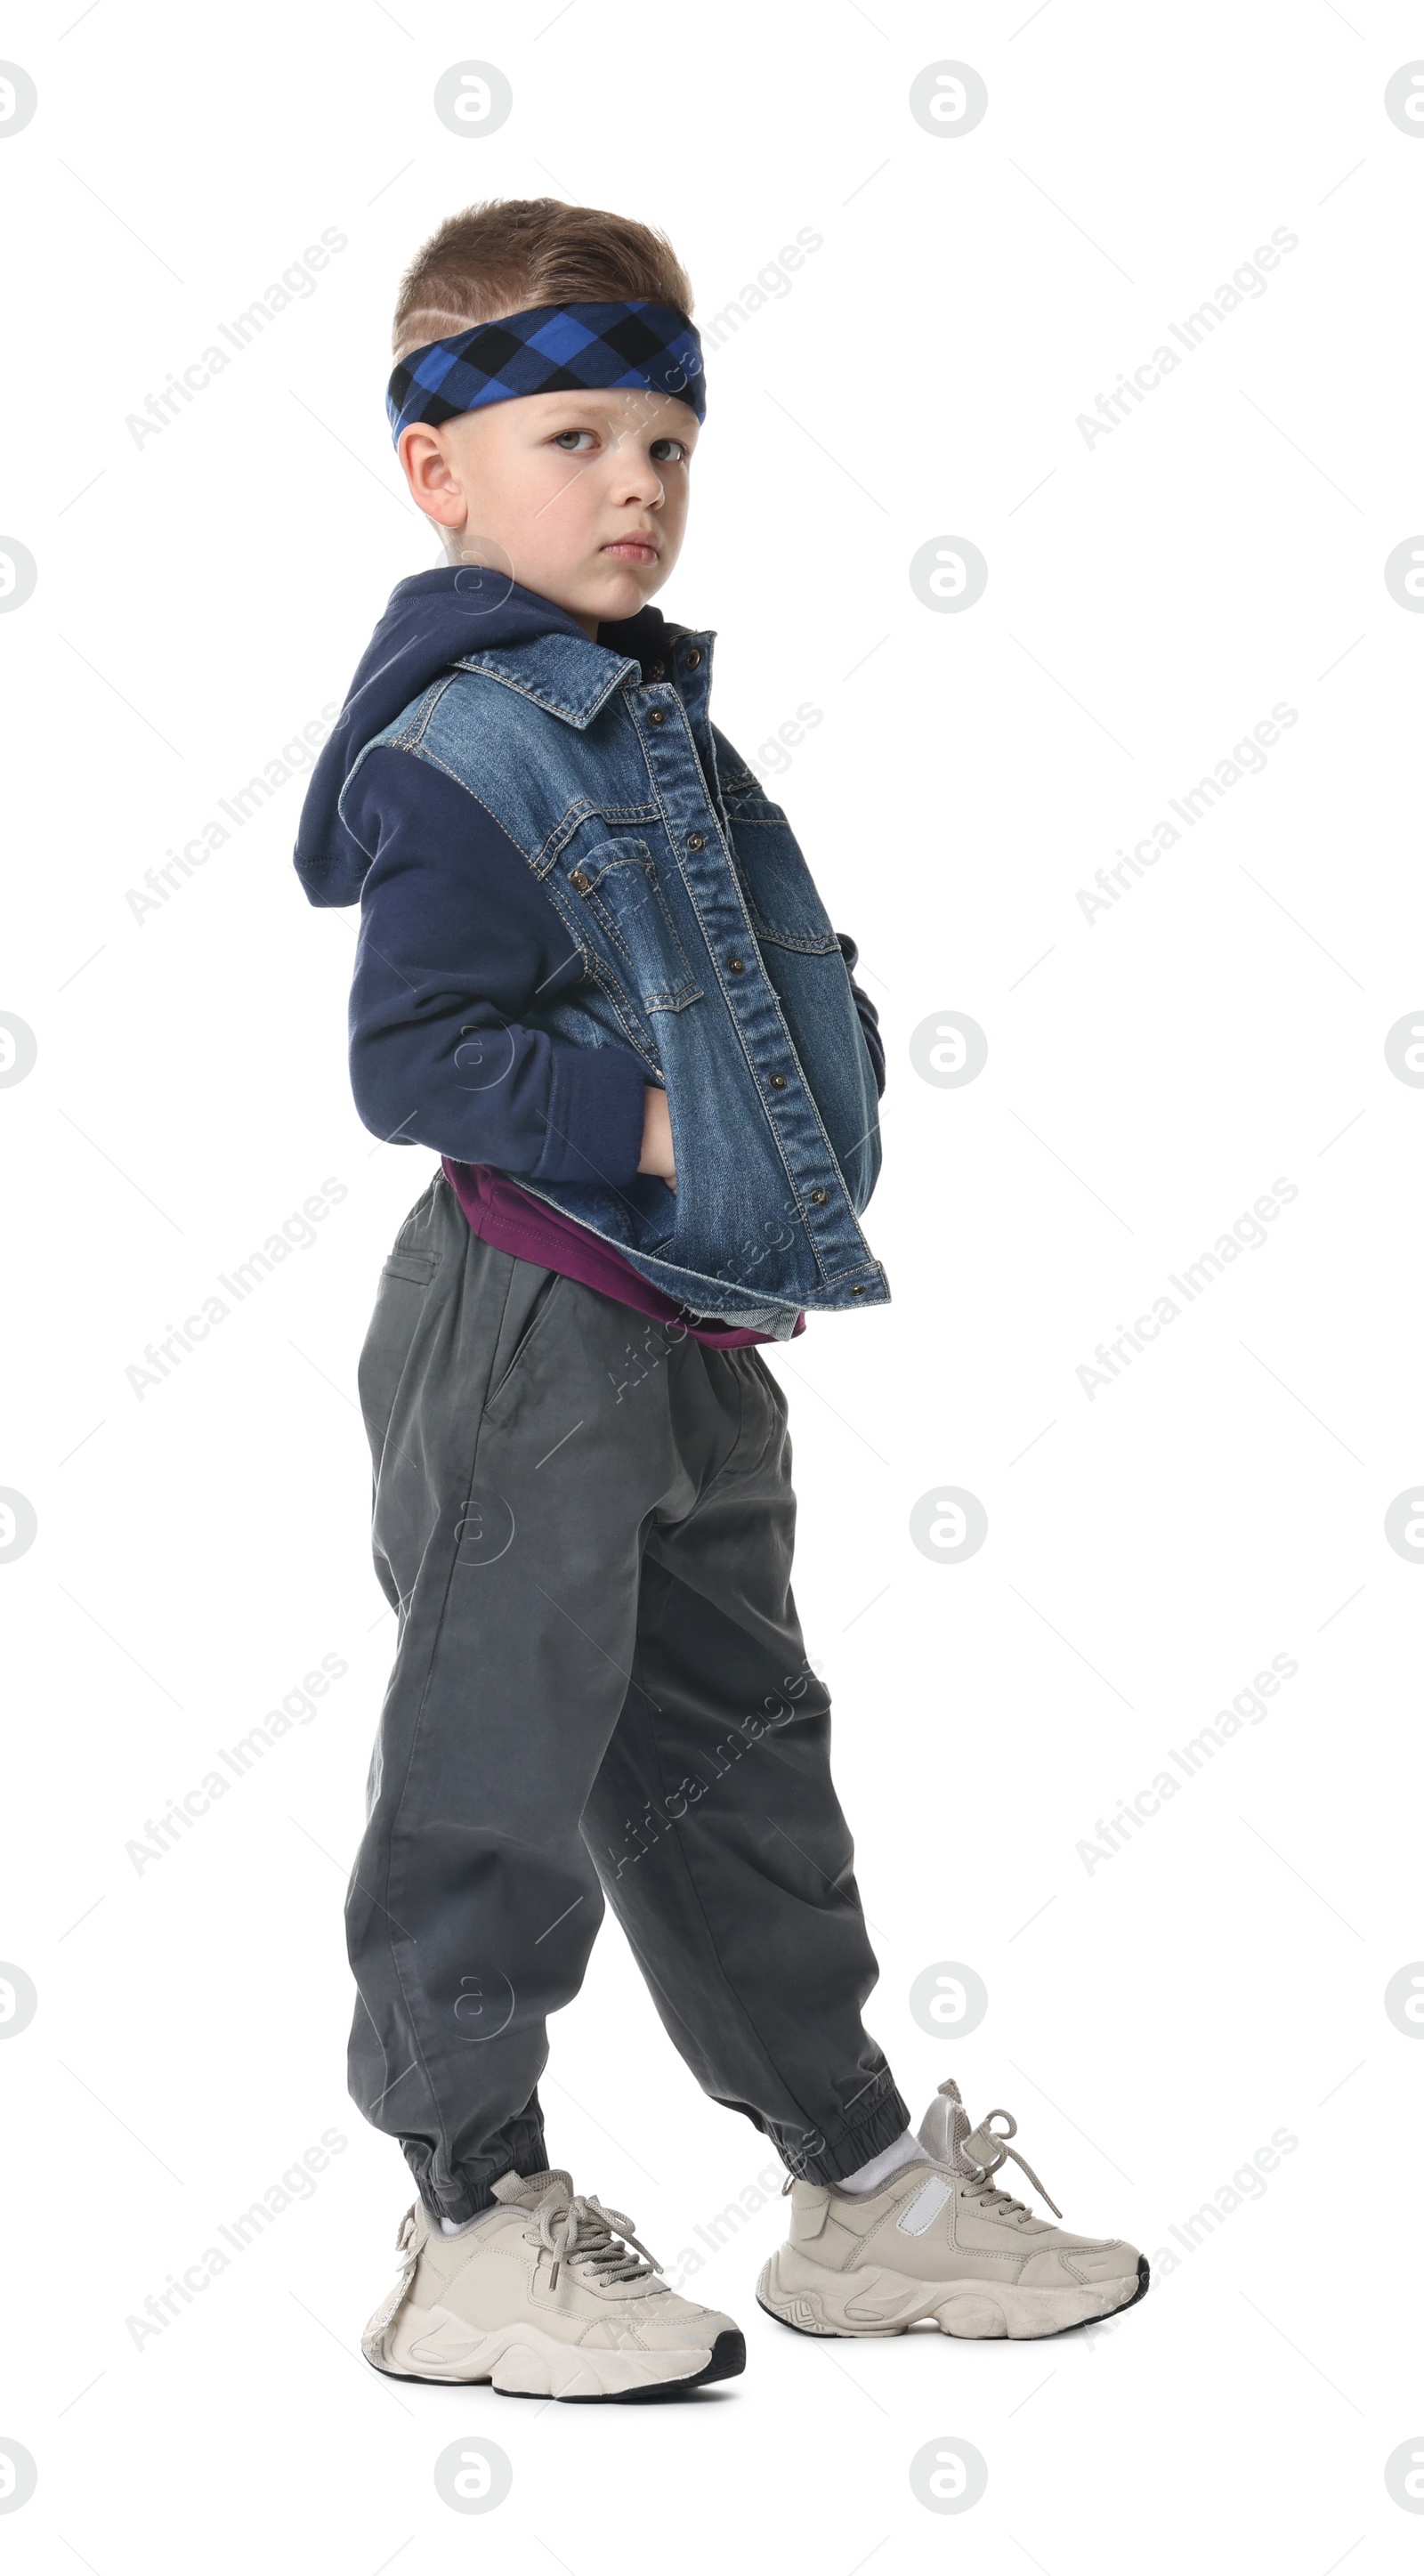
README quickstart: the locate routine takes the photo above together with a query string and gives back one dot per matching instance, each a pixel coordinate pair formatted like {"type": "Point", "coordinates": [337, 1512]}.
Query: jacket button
{"type": "Point", "coordinates": [697, 840]}
{"type": "Point", "coordinates": [694, 657]}
{"type": "Point", "coordinates": [857, 1292]}
{"type": "Point", "coordinates": [579, 881]}
{"type": "Point", "coordinates": [655, 715]}
{"type": "Point", "coordinates": [818, 1198]}
{"type": "Point", "coordinates": [738, 965]}
{"type": "Point", "coordinates": [778, 1082]}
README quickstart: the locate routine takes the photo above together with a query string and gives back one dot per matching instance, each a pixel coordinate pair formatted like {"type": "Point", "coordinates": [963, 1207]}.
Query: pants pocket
{"type": "Point", "coordinates": [535, 1317]}
{"type": "Point", "coordinates": [401, 1295]}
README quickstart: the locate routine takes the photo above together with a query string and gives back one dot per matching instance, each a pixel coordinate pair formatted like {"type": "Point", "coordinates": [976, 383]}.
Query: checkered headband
{"type": "Point", "coordinates": [552, 349]}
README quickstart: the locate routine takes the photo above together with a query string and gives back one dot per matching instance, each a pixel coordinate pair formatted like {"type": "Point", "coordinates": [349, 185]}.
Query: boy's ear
{"type": "Point", "coordinates": [426, 466]}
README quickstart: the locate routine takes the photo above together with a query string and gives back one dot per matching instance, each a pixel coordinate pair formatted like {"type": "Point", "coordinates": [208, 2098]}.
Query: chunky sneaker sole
{"type": "Point", "coordinates": [519, 2361]}
{"type": "Point", "coordinates": [875, 2302]}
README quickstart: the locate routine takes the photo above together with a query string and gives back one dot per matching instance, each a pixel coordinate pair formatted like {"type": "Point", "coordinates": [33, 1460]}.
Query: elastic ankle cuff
{"type": "Point", "coordinates": [469, 2195]}
{"type": "Point", "coordinates": [847, 2149]}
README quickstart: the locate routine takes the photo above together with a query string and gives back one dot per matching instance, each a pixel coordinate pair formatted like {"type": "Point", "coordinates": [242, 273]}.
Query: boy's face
{"type": "Point", "coordinates": [581, 497]}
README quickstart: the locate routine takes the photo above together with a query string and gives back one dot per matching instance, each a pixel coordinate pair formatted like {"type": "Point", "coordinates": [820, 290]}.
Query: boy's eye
{"type": "Point", "coordinates": [664, 451]}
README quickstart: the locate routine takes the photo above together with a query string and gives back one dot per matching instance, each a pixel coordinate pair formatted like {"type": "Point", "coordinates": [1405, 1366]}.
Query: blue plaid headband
{"type": "Point", "coordinates": [552, 349]}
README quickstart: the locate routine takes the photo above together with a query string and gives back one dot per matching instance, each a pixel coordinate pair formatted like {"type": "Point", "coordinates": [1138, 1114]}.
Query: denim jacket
{"type": "Point", "coordinates": [636, 899]}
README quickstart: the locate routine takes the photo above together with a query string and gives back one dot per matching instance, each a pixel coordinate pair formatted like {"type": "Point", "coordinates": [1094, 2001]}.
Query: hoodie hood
{"type": "Point", "coordinates": [432, 621]}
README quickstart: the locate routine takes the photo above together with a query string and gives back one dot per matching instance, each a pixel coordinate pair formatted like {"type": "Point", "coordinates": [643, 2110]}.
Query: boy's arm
{"type": "Point", "coordinates": [869, 1016]}
{"type": "Point", "coordinates": [457, 938]}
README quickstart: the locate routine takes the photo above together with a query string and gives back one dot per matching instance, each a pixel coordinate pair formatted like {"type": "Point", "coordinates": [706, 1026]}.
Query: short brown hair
{"type": "Point", "coordinates": [509, 253]}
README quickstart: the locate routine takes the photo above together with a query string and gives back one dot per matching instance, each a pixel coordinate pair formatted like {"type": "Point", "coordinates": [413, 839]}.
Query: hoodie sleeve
{"type": "Point", "coordinates": [868, 1014]}
{"type": "Point", "coordinates": [457, 938]}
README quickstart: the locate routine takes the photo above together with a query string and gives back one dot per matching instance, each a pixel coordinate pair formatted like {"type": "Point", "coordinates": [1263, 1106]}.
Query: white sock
{"type": "Point", "coordinates": [881, 2169]}
{"type": "Point", "coordinates": [462, 2226]}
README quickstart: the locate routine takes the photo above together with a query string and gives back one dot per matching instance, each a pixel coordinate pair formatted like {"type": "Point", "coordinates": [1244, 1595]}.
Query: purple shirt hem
{"type": "Point", "coordinates": [508, 1217]}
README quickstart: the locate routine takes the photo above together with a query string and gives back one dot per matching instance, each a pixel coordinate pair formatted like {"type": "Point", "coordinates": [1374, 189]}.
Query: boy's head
{"type": "Point", "coordinates": [580, 495]}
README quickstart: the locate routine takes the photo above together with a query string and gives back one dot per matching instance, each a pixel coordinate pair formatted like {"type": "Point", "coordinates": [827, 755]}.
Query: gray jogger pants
{"type": "Point", "coordinates": [584, 1522]}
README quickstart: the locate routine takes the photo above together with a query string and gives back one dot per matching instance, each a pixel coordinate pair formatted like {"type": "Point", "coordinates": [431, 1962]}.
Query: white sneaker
{"type": "Point", "coordinates": [544, 2299]}
{"type": "Point", "coordinates": [942, 2240]}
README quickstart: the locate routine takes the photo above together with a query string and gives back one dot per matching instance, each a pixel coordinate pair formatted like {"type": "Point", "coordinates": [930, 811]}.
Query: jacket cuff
{"type": "Point", "coordinates": [595, 1130]}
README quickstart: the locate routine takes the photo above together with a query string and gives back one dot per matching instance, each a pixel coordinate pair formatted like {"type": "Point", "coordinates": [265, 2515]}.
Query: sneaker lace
{"type": "Point", "coordinates": [582, 2232]}
{"type": "Point", "coordinates": [989, 2194]}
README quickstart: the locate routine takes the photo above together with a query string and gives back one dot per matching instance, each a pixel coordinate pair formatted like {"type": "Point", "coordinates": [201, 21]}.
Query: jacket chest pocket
{"type": "Point", "coordinates": [627, 912]}
{"type": "Point", "coordinates": [778, 886]}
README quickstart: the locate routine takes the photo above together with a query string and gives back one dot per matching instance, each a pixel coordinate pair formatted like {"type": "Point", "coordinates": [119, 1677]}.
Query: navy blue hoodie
{"type": "Point", "coordinates": [457, 935]}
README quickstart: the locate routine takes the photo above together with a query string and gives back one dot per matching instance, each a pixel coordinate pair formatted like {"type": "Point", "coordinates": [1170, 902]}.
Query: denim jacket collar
{"type": "Point", "coordinates": [571, 676]}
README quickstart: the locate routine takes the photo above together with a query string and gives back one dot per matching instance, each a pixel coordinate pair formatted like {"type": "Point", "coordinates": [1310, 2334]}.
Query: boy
{"type": "Point", "coordinates": [595, 977]}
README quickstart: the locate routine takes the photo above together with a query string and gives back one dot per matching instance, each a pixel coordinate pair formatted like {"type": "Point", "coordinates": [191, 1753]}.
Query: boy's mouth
{"type": "Point", "coordinates": [635, 549]}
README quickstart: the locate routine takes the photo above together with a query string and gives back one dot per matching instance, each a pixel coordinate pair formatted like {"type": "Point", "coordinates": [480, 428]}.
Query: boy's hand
{"type": "Point", "coordinates": [657, 1137]}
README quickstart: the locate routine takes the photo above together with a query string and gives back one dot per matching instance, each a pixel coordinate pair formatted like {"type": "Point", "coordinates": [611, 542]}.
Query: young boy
{"type": "Point", "coordinates": [595, 977]}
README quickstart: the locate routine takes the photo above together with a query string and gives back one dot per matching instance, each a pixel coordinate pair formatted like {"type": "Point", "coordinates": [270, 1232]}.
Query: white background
{"type": "Point", "coordinates": [199, 599]}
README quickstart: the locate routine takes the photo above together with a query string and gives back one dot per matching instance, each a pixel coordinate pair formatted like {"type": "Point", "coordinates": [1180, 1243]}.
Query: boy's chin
{"type": "Point", "coordinates": [619, 590]}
